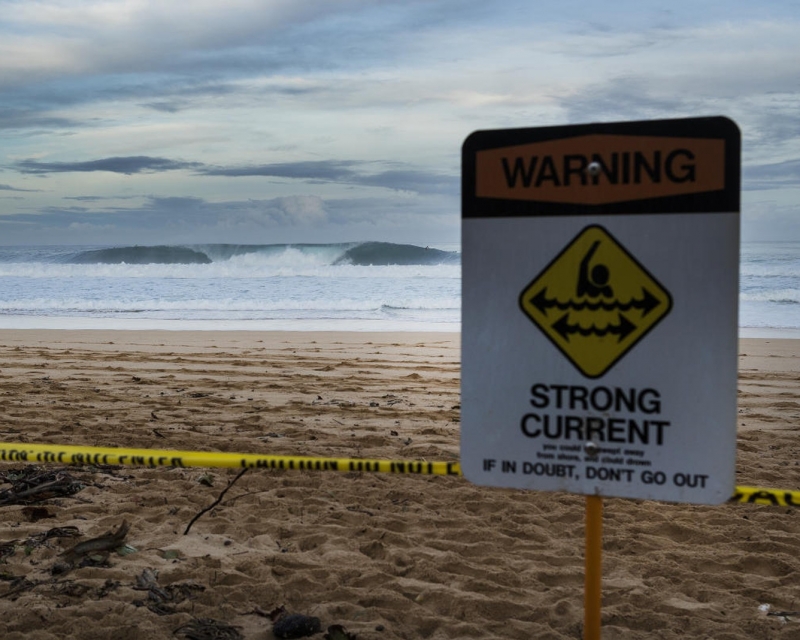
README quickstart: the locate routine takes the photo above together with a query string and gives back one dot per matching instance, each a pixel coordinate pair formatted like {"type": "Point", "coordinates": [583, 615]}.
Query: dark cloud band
{"type": "Point", "coordinates": [127, 165]}
{"type": "Point", "coordinates": [332, 171]}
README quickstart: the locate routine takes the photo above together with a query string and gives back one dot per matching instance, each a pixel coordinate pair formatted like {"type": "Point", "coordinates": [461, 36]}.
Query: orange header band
{"type": "Point", "coordinates": [600, 169]}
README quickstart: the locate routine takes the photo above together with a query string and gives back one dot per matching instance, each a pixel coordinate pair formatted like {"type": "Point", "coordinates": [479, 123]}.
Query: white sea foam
{"type": "Point", "coordinates": [243, 267]}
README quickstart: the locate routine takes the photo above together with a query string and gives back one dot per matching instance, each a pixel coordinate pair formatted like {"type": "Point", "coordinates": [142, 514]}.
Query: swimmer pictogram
{"type": "Point", "coordinates": [594, 301]}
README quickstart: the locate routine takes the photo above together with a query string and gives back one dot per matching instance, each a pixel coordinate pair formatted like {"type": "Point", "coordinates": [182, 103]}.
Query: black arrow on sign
{"type": "Point", "coordinates": [564, 328]}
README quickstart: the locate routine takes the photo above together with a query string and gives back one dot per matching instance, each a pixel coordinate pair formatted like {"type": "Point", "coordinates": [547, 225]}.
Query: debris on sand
{"type": "Point", "coordinates": [293, 625]}
{"type": "Point", "coordinates": [338, 632]}
{"type": "Point", "coordinates": [8, 549]}
{"type": "Point", "coordinates": [92, 552]}
{"type": "Point", "coordinates": [208, 629]}
{"type": "Point", "coordinates": [160, 600]}
{"type": "Point", "coordinates": [35, 484]}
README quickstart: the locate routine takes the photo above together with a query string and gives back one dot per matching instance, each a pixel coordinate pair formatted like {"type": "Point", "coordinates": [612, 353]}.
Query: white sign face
{"type": "Point", "coordinates": [600, 309]}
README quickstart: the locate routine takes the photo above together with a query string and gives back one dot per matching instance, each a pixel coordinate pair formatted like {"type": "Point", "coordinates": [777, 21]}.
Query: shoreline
{"type": "Point", "coordinates": [42, 323]}
{"type": "Point", "coordinates": [37, 323]}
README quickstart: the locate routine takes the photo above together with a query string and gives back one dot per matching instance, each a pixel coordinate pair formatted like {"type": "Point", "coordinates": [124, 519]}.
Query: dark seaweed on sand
{"type": "Point", "coordinates": [35, 484]}
{"type": "Point", "coordinates": [208, 629]}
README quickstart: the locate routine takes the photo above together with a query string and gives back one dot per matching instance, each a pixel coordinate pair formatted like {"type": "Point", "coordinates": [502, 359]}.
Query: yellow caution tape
{"type": "Point", "coordinates": [775, 497]}
{"type": "Point", "coordinates": [79, 455]}
{"type": "Point", "coordinates": [72, 455]}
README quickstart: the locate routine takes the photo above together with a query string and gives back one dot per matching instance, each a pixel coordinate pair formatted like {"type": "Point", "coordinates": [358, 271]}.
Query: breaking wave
{"type": "Point", "coordinates": [141, 255]}
{"type": "Point", "coordinates": [358, 254]}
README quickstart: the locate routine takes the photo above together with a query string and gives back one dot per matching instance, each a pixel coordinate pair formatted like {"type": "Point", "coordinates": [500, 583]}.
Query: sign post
{"type": "Point", "coordinates": [600, 309]}
{"type": "Point", "coordinates": [593, 562]}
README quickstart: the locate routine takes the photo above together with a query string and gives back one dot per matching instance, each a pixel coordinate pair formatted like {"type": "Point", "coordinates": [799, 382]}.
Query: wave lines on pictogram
{"type": "Point", "coordinates": [623, 329]}
{"type": "Point", "coordinates": [646, 303]}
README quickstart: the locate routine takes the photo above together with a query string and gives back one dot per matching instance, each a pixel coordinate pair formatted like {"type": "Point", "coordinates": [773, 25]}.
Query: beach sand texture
{"type": "Point", "coordinates": [386, 556]}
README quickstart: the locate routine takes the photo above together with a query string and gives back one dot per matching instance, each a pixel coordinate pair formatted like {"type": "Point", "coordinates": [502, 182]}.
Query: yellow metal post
{"type": "Point", "coordinates": [594, 567]}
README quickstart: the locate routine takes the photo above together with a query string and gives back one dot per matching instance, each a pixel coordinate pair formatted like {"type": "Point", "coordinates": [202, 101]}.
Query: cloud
{"type": "Point", "coordinates": [100, 198]}
{"type": "Point", "coordinates": [772, 176]}
{"type": "Point", "coordinates": [53, 56]}
{"type": "Point", "coordinates": [165, 106]}
{"type": "Point", "coordinates": [7, 187]}
{"type": "Point", "coordinates": [302, 210]}
{"type": "Point", "coordinates": [325, 170]}
{"type": "Point", "coordinates": [30, 119]}
{"type": "Point", "coordinates": [348, 172]}
{"type": "Point", "coordinates": [332, 171]}
{"type": "Point", "coordinates": [134, 40]}
{"type": "Point", "coordinates": [298, 218]}
{"type": "Point", "coordinates": [416, 181]}
{"type": "Point", "coordinates": [626, 98]}
{"type": "Point", "coordinates": [771, 123]}
{"type": "Point", "coordinates": [248, 102]}
{"type": "Point", "coordinates": [126, 165]}
{"type": "Point", "coordinates": [766, 217]}
{"type": "Point", "coordinates": [191, 211]}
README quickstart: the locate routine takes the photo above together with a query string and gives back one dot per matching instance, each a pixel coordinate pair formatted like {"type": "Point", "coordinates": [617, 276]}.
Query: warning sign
{"type": "Point", "coordinates": [600, 289]}
{"type": "Point", "coordinates": [594, 301]}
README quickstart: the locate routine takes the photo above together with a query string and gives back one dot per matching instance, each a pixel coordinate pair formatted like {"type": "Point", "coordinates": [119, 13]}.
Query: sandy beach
{"type": "Point", "coordinates": [385, 556]}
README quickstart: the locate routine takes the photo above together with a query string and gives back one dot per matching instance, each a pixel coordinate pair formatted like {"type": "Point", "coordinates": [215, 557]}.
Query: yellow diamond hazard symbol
{"type": "Point", "coordinates": [594, 301]}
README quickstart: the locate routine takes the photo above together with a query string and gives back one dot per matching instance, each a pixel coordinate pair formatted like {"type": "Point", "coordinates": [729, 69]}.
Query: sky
{"type": "Point", "coordinates": [271, 121]}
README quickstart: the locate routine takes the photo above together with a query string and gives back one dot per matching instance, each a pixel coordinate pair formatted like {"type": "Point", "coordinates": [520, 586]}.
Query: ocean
{"type": "Point", "coordinates": [369, 286]}
{"type": "Point", "coordinates": [769, 289]}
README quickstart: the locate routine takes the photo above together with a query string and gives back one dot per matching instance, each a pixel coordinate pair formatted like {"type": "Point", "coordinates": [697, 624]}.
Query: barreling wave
{"type": "Point", "coordinates": [141, 255]}
{"type": "Point", "coordinates": [358, 254]}
{"type": "Point", "coordinates": [386, 253]}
